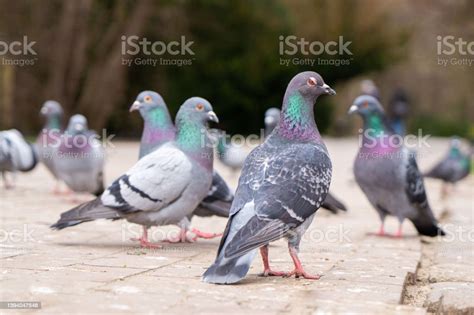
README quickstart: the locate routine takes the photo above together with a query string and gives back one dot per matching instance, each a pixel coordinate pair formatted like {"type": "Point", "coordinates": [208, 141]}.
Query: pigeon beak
{"type": "Point", "coordinates": [213, 117]}
{"type": "Point", "coordinates": [44, 110]}
{"type": "Point", "coordinates": [328, 90]}
{"type": "Point", "coordinates": [135, 106]}
{"type": "Point", "coordinates": [353, 109]}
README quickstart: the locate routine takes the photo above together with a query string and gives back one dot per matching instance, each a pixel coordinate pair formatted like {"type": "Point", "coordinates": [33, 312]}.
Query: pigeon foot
{"type": "Point", "coordinates": [301, 273]}
{"type": "Point", "coordinates": [144, 243]}
{"type": "Point", "coordinates": [271, 273]}
{"type": "Point", "coordinates": [200, 234]}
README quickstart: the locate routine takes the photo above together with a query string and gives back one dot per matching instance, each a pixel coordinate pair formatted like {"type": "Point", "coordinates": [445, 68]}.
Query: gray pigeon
{"type": "Point", "coordinates": [272, 118]}
{"type": "Point", "coordinates": [282, 184]}
{"type": "Point", "coordinates": [79, 158]}
{"type": "Point", "coordinates": [454, 167]}
{"type": "Point", "coordinates": [388, 174]}
{"type": "Point", "coordinates": [16, 155]}
{"type": "Point", "coordinates": [163, 187]}
{"type": "Point", "coordinates": [49, 137]}
{"type": "Point", "coordinates": [158, 130]}
{"type": "Point", "coordinates": [231, 154]}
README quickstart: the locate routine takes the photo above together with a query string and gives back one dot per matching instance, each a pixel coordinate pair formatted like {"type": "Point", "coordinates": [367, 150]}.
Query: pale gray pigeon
{"type": "Point", "coordinates": [388, 174]}
{"type": "Point", "coordinates": [158, 130]}
{"type": "Point", "coordinates": [231, 153]}
{"type": "Point", "coordinates": [272, 118]}
{"type": "Point", "coordinates": [79, 158]}
{"type": "Point", "coordinates": [163, 187]}
{"type": "Point", "coordinates": [282, 184]}
{"type": "Point", "coordinates": [16, 155]}
{"type": "Point", "coordinates": [48, 139]}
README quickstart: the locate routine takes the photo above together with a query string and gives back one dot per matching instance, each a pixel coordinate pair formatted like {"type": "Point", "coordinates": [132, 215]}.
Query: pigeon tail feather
{"type": "Point", "coordinates": [85, 212]}
{"type": "Point", "coordinates": [228, 271]}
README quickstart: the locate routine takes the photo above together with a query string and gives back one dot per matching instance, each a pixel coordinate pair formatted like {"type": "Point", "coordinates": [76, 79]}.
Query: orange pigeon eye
{"type": "Point", "coordinates": [147, 99]}
{"type": "Point", "coordinates": [366, 105]}
{"type": "Point", "coordinates": [312, 81]}
{"type": "Point", "coordinates": [199, 107]}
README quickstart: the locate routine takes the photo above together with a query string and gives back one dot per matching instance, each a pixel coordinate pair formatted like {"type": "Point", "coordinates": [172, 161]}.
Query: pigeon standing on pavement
{"type": "Point", "coordinates": [454, 167]}
{"type": "Point", "coordinates": [282, 184]}
{"type": "Point", "coordinates": [79, 158]}
{"type": "Point", "coordinates": [165, 186]}
{"type": "Point", "coordinates": [158, 130]}
{"type": "Point", "coordinates": [48, 139]}
{"type": "Point", "coordinates": [388, 174]}
{"type": "Point", "coordinates": [272, 118]}
{"type": "Point", "coordinates": [16, 155]}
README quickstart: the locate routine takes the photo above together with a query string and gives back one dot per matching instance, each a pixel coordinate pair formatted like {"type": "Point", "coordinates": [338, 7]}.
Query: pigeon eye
{"type": "Point", "coordinates": [147, 99]}
{"type": "Point", "coordinates": [199, 107]}
{"type": "Point", "coordinates": [366, 105]}
{"type": "Point", "coordinates": [312, 81]}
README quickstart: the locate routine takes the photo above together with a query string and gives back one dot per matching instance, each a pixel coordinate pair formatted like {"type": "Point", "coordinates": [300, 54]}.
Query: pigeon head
{"type": "Point", "coordinates": [297, 119]}
{"type": "Point", "coordinates": [192, 132]}
{"type": "Point", "coordinates": [53, 112]}
{"type": "Point", "coordinates": [310, 85]}
{"type": "Point", "coordinates": [148, 103]}
{"type": "Point", "coordinates": [51, 108]}
{"type": "Point", "coordinates": [196, 110]}
{"type": "Point", "coordinates": [272, 116]}
{"type": "Point", "coordinates": [366, 105]}
{"type": "Point", "coordinates": [77, 125]}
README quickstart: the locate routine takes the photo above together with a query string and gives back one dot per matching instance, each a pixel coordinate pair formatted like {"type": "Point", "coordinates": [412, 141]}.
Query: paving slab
{"type": "Point", "coordinates": [96, 268]}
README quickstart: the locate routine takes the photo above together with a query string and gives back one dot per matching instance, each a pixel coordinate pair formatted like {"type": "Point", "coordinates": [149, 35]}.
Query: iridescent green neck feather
{"type": "Point", "coordinates": [53, 122]}
{"type": "Point", "coordinates": [374, 125]}
{"type": "Point", "coordinates": [158, 117]}
{"type": "Point", "coordinates": [191, 135]}
{"type": "Point", "coordinates": [298, 119]}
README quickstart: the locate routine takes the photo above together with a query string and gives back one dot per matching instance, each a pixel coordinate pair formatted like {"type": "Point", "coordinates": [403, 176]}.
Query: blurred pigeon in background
{"type": "Point", "coordinates": [272, 119]}
{"type": "Point", "coordinates": [398, 111]}
{"type": "Point", "coordinates": [48, 139]}
{"type": "Point", "coordinates": [368, 87]}
{"type": "Point", "coordinates": [158, 130]}
{"type": "Point", "coordinates": [454, 167]}
{"type": "Point", "coordinates": [230, 153]}
{"type": "Point", "coordinates": [388, 173]}
{"type": "Point", "coordinates": [16, 155]}
{"type": "Point", "coordinates": [79, 159]}
{"type": "Point", "coordinates": [282, 184]}
{"type": "Point", "coordinates": [163, 187]}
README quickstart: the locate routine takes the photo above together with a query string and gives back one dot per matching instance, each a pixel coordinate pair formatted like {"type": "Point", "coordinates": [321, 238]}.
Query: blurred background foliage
{"type": "Point", "coordinates": [236, 63]}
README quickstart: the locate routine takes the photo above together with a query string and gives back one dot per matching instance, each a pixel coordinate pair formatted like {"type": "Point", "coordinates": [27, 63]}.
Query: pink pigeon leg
{"type": "Point", "coordinates": [299, 271]}
{"type": "Point", "coordinates": [144, 243]}
{"type": "Point", "coordinates": [267, 271]}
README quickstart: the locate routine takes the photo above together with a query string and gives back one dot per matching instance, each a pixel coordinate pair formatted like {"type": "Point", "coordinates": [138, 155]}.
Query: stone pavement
{"type": "Point", "coordinates": [95, 268]}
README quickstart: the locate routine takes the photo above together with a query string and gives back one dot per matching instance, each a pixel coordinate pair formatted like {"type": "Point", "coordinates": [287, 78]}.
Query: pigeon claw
{"type": "Point", "coordinates": [144, 243]}
{"type": "Point", "coordinates": [301, 273]}
{"type": "Point", "coordinates": [272, 273]}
